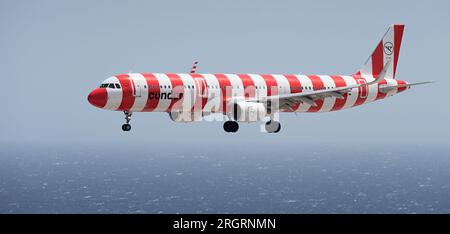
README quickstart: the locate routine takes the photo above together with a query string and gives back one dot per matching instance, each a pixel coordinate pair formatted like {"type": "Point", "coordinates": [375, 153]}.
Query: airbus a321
{"type": "Point", "coordinates": [242, 98]}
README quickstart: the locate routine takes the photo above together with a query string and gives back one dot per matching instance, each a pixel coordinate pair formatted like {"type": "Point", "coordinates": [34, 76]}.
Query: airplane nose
{"type": "Point", "coordinates": [98, 97]}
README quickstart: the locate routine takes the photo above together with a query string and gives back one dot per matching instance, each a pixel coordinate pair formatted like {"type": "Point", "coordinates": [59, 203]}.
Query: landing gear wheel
{"type": "Point", "coordinates": [231, 126]}
{"type": "Point", "coordinates": [126, 127]}
{"type": "Point", "coordinates": [273, 126]}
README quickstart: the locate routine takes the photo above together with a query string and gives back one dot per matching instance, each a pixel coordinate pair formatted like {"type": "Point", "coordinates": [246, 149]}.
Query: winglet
{"type": "Point", "coordinates": [194, 68]}
{"type": "Point", "coordinates": [383, 73]}
{"type": "Point", "coordinates": [380, 76]}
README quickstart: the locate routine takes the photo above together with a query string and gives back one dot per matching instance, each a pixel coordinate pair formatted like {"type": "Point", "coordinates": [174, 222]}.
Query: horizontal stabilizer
{"type": "Point", "coordinates": [386, 88]}
{"type": "Point", "coordinates": [417, 83]}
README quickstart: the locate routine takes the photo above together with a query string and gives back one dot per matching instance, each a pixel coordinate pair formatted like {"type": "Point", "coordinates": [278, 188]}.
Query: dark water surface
{"type": "Point", "coordinates": [234, 178]}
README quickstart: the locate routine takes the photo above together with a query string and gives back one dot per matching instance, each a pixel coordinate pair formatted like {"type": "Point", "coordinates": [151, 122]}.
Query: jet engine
{"type": "Point", "coordinates": [249, 111]}
{"type": "Point", "coordinates": [185, 117]}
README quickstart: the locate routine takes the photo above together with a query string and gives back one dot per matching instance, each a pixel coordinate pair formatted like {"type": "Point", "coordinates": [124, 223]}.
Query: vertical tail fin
{"type": "Point", "coordinates": [388, 49]}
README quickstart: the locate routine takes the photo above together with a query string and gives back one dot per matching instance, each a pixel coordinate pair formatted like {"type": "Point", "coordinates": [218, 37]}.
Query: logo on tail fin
{"type": "Point", "coordinates": [388, 48]}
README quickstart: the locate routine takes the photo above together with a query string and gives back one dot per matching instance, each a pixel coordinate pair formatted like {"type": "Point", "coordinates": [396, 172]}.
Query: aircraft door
{"type": "Point", "coordinates": [201, 87]}
{"type": "Point", "coordinates": [137, 88]}
{"type": "Point", "coordinates": [363, 90]}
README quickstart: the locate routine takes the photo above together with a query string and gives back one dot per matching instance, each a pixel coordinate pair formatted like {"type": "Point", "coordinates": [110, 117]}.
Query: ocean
{"type": "Point", "coordinates": [229, 178]}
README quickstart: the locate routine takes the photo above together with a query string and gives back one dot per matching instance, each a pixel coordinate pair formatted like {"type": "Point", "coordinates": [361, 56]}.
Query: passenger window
{"type": "Point", "coordinates": [111, 86]}
{"type": "Point", "coordinates": [118, 86]}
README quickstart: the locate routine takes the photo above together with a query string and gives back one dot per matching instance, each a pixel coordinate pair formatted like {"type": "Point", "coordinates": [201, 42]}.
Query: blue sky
{"type": "Point", "coordinates": [54, 52]}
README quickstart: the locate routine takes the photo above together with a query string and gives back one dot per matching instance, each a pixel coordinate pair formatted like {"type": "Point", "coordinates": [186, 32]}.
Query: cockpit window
{"type": "Point", "coordinates": [110, 85]}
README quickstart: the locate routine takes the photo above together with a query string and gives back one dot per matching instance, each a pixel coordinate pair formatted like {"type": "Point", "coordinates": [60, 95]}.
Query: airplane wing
{"type": "Point", "coordinates": [309, 97]}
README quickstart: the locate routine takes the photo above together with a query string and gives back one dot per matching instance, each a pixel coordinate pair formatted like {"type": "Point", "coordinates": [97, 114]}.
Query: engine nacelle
{"type": "Point", "coordinates": [185, 117]}
{"type": "Point", "coordinates": [249, 111]}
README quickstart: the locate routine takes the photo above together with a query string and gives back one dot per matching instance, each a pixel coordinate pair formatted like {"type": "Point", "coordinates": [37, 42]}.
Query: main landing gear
{"type": "Point", "coordinates": [127, 127]}
{"type": "Point", "coordinates": [231, 126]}
{"type": "Point", "coordinates": [273, 126]}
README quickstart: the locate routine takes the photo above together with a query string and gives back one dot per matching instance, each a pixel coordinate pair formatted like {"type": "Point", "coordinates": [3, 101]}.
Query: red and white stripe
{"type": "Point", "coordinates": [242, 86]}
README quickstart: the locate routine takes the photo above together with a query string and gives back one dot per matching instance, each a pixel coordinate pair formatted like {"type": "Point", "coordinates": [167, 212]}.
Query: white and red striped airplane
{"type": "Point", "coordinates": [251, 97]}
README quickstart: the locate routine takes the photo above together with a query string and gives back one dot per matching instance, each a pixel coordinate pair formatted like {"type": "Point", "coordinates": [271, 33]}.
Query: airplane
{"type": "Point", "coordinates": [241, 98]}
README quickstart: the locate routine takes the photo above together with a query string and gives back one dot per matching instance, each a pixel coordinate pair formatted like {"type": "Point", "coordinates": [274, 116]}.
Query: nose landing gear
{"type": "Point", "coordinates": [127, 127]}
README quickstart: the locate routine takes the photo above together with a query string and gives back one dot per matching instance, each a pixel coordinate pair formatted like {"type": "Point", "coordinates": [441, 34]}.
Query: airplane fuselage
{"type": "Point", "coordinates": [161, 92]}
